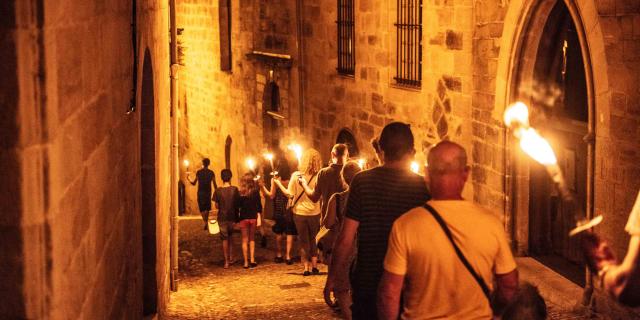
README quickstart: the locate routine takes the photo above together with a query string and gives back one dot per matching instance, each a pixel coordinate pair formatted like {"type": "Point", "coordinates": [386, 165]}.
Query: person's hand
{"type": "Point", "coordinates": [598, 254]}
{"type": "Point", "coordinates": [261, 182]}
{"type": "Point", "coordinates": [328, 289]}
{"type": "Point", "coordinates": [302, 181]}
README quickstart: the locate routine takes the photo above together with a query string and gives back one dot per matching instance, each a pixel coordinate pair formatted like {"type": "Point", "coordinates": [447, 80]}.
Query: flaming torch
{"type": "Point", "coordinates": [361, 163]}
{"type": "Point", "coordinates": [516, 118]}
{"type": "Point", "coordinates": [186, 165]}
{"type": "Point", "coordinates": [269, 156]}
{"type": "Point", "coordinates": [415, 167]}
{"type": "Point", "coordinates": [297, 149]}
{"type": "Point", "coordinates": [251, 164]}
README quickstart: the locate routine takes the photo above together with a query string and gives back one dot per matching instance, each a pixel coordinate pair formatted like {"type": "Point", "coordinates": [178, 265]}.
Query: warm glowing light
{"type": "Point", "coordinates": [268, 156]}
{"type": "Point", "coordinates": [517, 115]}
{"type": "Point", "coordinates": [537, 147]}
{"type": "Point", "coordinates": [361, 163]}
{"type": "Point", "coordinates": [297, 149]}
{"type": "Point", "coordinates": [251, 164]}
{"type": "Point", "coordinates": [415, 167]}
{"type": "Point", "coordinates": [186, 163]}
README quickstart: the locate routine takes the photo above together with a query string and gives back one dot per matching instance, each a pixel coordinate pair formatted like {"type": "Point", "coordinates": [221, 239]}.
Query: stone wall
{"type": "Point", "coordinates": [215, 104]}
{"type": "Point", "coordinates": [440, 109]}
{"type": "Point", "coordinates": [74, 230]}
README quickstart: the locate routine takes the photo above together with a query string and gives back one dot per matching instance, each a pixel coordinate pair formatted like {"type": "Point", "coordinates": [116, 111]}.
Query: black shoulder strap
{"type": "Point", "coordinates": [464, 260]}
{"type": "Point", "coordinates": [302, 193]}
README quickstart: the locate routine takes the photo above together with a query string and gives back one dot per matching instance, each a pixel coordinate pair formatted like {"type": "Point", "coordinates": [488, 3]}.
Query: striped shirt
{"type": "Point", "coordinates": [377, 197]}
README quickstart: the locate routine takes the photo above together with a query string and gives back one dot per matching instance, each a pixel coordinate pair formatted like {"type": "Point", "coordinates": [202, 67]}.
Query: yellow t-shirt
{"type": "Point", "coordinates": [633, 224]}
{"type": "Point", "coordinates": [304, 206]}
{"type": "Point", "coordinates": [437, 285]}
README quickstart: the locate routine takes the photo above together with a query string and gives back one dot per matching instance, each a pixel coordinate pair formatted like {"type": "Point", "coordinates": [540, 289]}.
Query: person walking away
{"type": "Point", "coordinates": [422, 250]}
{"type": "Point", "coordinates": [329, 180]}
{"type": "Point", "coordinates": [204, 178]}
{"type": "Point", "coordinates": [250, 206]}
{"type": "Point", "coordinates": [284, 227]}
{"type": "Point", "coordinates": [332, 224]}
{"type": "Point", "coordinates": [306, 213]}
{"type": "Point", "coordinates": [377, 197]}
{"type": "Point", "coordinates": [227, 200]}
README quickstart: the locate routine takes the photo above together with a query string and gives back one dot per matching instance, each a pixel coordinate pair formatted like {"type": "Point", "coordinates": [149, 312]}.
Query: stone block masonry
{"type": "Point", "coordinates": [73, 234]}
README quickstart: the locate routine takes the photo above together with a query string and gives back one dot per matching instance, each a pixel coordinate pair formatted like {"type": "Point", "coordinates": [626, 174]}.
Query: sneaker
{"type": "Point", "coordinates": [289, 262]}
{"type": "Point", "coordinates": [278, 260]}
{"type": "Point", "coordinates": [306, 273]}
{"type": "Point", "coordinates": [253, 265]}
{"type": "Point", "coordinates": [315, 271]}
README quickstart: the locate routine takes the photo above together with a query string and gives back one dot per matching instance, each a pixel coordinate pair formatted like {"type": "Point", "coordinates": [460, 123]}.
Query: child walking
{"type": "Point", "coordinates": [250, 214]}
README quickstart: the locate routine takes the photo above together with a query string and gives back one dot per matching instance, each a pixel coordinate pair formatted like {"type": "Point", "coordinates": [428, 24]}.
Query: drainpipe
{"type": "Point", "coordinates": [174, 149]}
{"type": "Point", "coordinates": [301, 72]}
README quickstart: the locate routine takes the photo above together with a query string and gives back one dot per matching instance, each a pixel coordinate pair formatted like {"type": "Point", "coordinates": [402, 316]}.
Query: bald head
{"type": "Point", "coordinates": [448, 170]}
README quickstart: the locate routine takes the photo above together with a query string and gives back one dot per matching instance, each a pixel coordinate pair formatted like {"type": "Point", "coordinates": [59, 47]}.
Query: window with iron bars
{"type": "Point", "coordinates": [409, 43]}
{"type": "Point", "coordinates": [346, 37]}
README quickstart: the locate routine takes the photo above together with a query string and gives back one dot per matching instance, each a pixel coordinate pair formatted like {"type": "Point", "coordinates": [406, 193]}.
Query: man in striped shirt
{"type": "Point", "coordinates": [377, 198]}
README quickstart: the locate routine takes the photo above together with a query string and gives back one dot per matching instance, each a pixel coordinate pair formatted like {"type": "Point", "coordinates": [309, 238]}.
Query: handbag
{"type": "Point", "coordinates": [288, 215]}
{"type": "Point", "coordinates": [465, 262]}
{"type": "Point", "coordinates": [213, 226]}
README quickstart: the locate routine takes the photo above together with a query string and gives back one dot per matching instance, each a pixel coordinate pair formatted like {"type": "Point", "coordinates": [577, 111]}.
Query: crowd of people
{"type": "Point", "coordinates": [397, 244]}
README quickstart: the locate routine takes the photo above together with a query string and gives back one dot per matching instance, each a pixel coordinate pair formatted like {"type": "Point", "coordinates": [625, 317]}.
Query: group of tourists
{"type": "Point", "coordinates": [398, 245]}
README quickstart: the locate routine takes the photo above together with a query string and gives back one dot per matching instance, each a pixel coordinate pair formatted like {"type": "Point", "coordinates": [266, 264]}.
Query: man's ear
{"type": "Point", "coordinates": [465, 173]}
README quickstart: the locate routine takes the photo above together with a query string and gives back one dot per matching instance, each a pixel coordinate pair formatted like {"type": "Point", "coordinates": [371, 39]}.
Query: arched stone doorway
{"type": "Point", "coordinates": [346, 136]}
{"type": "Point", "coordinates": [551, 70]}
{"type": "Point", "coordinates": [148, 188]}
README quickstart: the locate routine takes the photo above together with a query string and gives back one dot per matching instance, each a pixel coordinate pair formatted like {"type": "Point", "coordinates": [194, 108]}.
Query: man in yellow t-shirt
{"type": "Point", "coordinates": [421, 260]}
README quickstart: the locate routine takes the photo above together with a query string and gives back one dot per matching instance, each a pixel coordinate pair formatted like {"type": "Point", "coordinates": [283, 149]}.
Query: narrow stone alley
{"type": "Point", "coordinates": [277, 291]}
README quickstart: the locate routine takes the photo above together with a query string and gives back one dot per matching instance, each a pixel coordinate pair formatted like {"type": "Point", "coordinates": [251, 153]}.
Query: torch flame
{"type": "Point", "coordinates": [537, 147]}
{"type": "Point", "coordinates": [297, 149]}
{"type": "Point", "coordinates": [185, 163]}
{"type": "Point", "coordinates": [517, 115]}
{"type": "Point", "coordinates": [361, 163]}
{"type": "Point", "coordinates": [415, 167]}
{"type": "Point", "coordinates": [268, 156]}
{"type": "Point", "coordinates": [251, 164]}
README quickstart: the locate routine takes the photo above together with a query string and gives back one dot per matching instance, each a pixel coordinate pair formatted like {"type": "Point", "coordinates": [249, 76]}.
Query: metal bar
{"type": "Point", "coordinates": [420, 43]}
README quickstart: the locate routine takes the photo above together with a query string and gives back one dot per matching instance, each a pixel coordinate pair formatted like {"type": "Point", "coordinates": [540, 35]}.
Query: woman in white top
{"type": "Point", "coordinates": [306, 212]}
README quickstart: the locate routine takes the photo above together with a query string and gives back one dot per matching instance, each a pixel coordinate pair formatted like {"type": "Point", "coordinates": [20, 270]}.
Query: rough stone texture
{"type": "Point", "coordinates": [369, 100]}
{"type": "Point", "coordinates": [75, 236]}
{"type": "Point", "coordinates": [215, 104]}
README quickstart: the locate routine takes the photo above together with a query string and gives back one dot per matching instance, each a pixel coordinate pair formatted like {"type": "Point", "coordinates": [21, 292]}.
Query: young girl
{"type": "Point", "coordinates": [284, 226]}
{"type": "Point", "coordinates": [306, 212]}
{"type": "Point", "coordinates": [250, 211]}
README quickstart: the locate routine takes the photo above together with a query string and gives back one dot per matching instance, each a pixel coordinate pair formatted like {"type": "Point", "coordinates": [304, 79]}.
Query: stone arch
{"type": "Point", "coordinates": [346, 136]}
{"type": "Point", "coordinates": [522, 30]}
{"type": "Point", "coordinates": [148, 187]}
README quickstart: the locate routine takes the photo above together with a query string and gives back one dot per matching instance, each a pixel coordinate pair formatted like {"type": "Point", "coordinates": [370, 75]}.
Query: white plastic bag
{"type": "Point", "coordinates": [213, 226]}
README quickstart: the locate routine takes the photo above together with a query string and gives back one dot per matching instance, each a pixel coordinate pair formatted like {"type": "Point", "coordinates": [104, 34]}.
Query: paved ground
{"type": "Point", "coordinates": [278, 291]}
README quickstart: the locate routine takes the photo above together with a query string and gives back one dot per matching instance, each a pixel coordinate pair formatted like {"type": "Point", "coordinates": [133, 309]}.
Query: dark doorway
{"type": "Point", "coordinates": [560, 67]}
{"type": "Point", "coordinates": [148, 188]}
{"type": "Point", "coordinates": [345, 136]}
{"type": "Point", "coordinates": [271, 106]}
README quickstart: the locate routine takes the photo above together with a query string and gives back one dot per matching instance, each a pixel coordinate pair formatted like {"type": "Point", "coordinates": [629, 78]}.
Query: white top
{"type": "Point", "coordinates": [304, 206]}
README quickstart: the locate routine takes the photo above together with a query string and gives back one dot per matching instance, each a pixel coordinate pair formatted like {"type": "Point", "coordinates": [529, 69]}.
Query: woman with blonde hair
{"type": "Point", "coordinates": [306, 213]}
{"type": "Point", "coordinates": [250, 209]}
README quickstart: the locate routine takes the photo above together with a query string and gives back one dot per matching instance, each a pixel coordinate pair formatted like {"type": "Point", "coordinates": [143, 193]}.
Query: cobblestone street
{"type": "Point", "coordinates": [277, 291]}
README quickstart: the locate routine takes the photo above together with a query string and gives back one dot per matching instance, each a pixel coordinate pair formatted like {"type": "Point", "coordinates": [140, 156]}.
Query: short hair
{"type": "Point", "coordinates": [396, 140]}
{"type": "Point", "coordinates": [349, 171]}
{"type": "Point", "coordinates": [206, 162]}
{"type": "Point", "coordinates": [226, 175]}
{"type": "Point", "coordinates": [446, 157]}
{"type": "Point", "coordinates": [340, 149]}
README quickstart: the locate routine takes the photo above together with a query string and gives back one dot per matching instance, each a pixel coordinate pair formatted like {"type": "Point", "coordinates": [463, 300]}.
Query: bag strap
{"type": "Point", "coordinates": [441, 222]}
{"type": "Point", "coordinates": [302, 193]}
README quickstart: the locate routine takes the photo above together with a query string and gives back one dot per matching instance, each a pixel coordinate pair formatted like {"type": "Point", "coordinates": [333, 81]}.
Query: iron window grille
{"type": "Point", "coordinates": [409, 43]}
{"type": "Point", "coordinates": [346, 37]}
